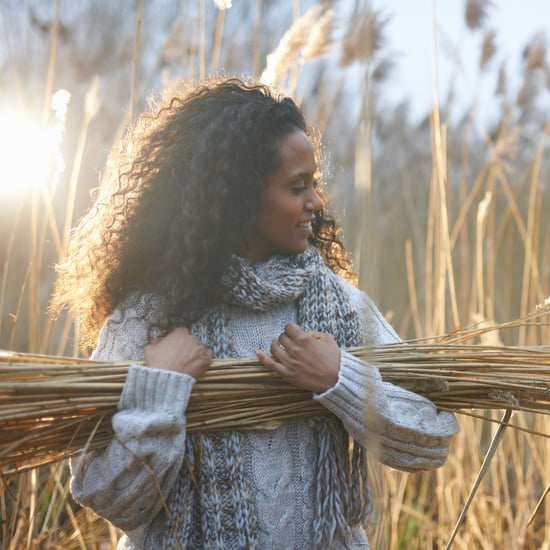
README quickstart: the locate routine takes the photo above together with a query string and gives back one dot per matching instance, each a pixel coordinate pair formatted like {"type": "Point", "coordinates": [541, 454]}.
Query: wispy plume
{"type": "Point", "coordinates": [527, 93]}
{"type": "Point", "coordinates": [298, 39]}
{"type": "Point", "coordinates": [476, 12]}
{"type": "Point", "coordinates": [502, 81]}
{"type": "Point", "coordinates": [320, 38]}
{"type": "Point", "coordinates": [382, 70]}
{"type": "Point", "coordinates": [365, 36]}
{"type": "Point", "coordinates": [488, 49]}
{"type": "Point", "coordinates": [535, 52]}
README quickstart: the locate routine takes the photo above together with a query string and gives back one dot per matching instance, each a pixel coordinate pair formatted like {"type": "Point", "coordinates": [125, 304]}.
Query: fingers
{"type": "Point", "coordinates": [293, 341]}
{"type": "Point", "coordinates": [309, 360]}
{"type": "Point", "coordinates": [265, 359]}
{"type": "Point", "coordinates": [200, 356]}
{"type": "Point", "coordinates": [283, 370]}
{"type": "Point", "coordinates": [179, 351]}
{"type": "Point", "coordinates": [289, 341]}
{"type": "Point", "coordinates": [295, 333]}
{"type": "Point", "coordinates": [283, 350]}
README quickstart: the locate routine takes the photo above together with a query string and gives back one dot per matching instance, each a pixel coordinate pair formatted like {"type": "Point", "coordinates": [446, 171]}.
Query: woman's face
{"type": "Point", "coordinates": [288, 205]}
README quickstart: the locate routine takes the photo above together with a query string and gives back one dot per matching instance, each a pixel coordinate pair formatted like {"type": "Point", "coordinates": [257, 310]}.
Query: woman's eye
{"type": "Point", "coordinates": [298, 190]}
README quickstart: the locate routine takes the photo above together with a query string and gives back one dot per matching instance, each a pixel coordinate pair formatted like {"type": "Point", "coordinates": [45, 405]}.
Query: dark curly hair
{"type": "Point", "coordinates": [177, 201]}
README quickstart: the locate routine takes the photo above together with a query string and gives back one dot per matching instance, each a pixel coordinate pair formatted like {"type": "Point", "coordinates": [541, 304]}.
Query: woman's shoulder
{"type": "Point", "coordinates": [375, 327]}
{"type": "Point", "coordinates": [351, 289]}
{"type": "Point", "coordinates": [137, 305]}
{"type": "Point", "coordinates": [128, 329]}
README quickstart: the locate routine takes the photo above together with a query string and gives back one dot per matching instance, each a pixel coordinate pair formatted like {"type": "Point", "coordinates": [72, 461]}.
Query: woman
{"type": "Point", "coordinates": [210, 239]}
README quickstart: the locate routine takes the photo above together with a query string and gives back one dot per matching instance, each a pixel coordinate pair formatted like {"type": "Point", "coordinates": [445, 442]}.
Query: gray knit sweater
{"type": "Point", "coordinates": [401, 429]}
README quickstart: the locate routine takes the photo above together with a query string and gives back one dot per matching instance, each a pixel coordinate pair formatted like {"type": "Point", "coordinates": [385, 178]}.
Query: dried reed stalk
{"type": "Point", "coordinates": [52, 406]}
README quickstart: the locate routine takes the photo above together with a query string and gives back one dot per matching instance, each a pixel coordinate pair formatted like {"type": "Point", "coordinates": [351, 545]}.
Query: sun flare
{"type": "Point", "coordinates": [26, 153]}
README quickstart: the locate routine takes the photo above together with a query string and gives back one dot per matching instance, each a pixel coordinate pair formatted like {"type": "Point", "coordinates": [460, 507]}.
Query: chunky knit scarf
{"type": "Point", "coordinates": [211, 505]}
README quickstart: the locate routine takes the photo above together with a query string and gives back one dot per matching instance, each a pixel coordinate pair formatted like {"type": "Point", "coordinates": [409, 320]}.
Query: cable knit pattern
{"type": "Point", "coordinates": [290, 487]}
{"type": "Point", "coordinates": [282, 279]}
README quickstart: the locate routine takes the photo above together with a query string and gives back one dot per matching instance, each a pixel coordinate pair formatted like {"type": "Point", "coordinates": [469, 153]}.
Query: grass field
{"type": "Point", "coordinates": [448, 220]}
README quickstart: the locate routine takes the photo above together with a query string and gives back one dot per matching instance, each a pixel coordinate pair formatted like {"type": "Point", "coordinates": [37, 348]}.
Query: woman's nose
{"type": "Point", "coordinates": [314, 202]}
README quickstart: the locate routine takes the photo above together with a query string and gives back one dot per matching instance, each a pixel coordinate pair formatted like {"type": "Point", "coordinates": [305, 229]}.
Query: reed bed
{"type": "Point", "coordinates": [467, 211]}
{"type": "Point", "coordinates": [50, 407]}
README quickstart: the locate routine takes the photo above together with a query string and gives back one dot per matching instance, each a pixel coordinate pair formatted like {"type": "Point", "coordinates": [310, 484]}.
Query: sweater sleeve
{"type": "Point", "coordinates": [405, 430]}
{"type": "Point", "coordinates": [129, 480]}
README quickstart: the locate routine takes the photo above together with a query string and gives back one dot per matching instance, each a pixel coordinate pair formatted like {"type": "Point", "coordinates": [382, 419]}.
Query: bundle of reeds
{"type": "Point", "coordinates": [51, 407]}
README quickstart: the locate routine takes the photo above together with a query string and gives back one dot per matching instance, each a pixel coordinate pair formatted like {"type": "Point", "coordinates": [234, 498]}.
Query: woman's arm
{"type": "Point", "coordinates": [406, 430]}
{"type": "Point", "coordinates": [128, 481]}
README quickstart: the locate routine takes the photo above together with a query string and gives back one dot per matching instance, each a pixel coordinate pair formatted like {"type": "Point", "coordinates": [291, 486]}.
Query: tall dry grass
{"type": "Point", "coordinates": [457, 227]}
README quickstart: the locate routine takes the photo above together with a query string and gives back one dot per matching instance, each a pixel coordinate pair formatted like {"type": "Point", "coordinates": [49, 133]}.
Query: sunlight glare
{"type": "Point", "coordinates": [25, 153]}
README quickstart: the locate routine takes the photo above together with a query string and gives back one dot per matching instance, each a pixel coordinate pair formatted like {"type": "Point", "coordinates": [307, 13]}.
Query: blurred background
{"type": "Point", "coordinates": [434, 117]}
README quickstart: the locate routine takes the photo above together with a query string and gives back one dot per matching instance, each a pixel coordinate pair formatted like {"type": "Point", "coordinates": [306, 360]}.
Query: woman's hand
{"type": "Point", "coordinates": [179, 351]}
{"type": "Point", "coordinates": [308, 360]}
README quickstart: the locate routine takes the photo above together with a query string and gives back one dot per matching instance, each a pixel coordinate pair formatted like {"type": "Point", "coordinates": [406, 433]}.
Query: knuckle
{"type": "Point", "coordinates": [290, 329]}
{"type": "Point", "coordinates": [293, 349]}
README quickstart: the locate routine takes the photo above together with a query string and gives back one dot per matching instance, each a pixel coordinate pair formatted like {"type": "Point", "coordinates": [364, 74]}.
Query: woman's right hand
{"type": "Point", "coordinates": [178, 351]}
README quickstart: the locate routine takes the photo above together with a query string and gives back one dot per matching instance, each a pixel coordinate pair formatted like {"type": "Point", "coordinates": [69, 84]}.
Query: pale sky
{"type": "Point", "coordinates": [410, 39]}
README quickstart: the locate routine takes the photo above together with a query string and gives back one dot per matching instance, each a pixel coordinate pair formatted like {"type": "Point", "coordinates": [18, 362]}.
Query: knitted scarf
{"type": "Point", "coordinates": [212, 504]}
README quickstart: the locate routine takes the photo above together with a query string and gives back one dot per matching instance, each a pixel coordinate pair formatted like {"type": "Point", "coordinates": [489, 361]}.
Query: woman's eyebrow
{"type": "Point", "coordinates": [305, 173]}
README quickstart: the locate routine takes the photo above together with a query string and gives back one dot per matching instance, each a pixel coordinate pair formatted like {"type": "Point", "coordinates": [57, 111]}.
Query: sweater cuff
{"type": "Point", "coordinates": [356, 380]}
{"type": "Point", "coordinates": [151, 389]}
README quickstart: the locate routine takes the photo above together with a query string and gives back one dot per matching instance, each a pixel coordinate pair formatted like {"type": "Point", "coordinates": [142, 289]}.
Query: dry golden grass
{"type": "Point", "coordinates": [50, 407]}
{"type": "Point", "coordinates": [461, 221]}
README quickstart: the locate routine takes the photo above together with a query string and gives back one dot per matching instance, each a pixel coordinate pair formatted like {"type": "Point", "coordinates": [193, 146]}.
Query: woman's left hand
{"type": "Point", "coordinates": [307, 360]}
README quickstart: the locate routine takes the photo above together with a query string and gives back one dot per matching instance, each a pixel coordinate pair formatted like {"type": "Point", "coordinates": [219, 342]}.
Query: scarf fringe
{"type": "Point", "coordinates": [212, 504]}
{"type": "Point", "coordinates": [342, 491]}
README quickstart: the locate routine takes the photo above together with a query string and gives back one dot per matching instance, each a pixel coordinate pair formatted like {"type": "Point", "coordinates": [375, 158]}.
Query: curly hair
{"type": "Point", "coordinates": [175, 204]}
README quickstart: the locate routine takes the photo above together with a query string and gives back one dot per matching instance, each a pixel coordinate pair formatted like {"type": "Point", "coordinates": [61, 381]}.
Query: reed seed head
{"type": "Point", "coordinates": [364, 38]}
{"type": "Point", "coordinates": [535, 53]}
{"type": "Point", "coordinates": [476, 13]}
{"type": "Point", "coordinates": [488, 49]}
{"type": "Point", "coordinates": [319, 39]}
{"type": "Point", "coordinates": [501, 81]}
{"type": "Point", "coordinates": [285, 54]}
